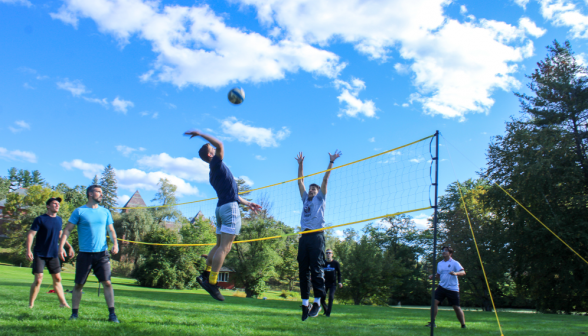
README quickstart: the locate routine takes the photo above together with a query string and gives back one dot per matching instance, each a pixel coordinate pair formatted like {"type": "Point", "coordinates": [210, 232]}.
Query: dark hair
{"type": "Point", "coordinates": [449, 249]}
{"type": "Point", "coordinates": [203, 152]}
{"type": "Point", "coordinates": [314, 184]}
{"type": "Point", "coordinates": [91, 189]}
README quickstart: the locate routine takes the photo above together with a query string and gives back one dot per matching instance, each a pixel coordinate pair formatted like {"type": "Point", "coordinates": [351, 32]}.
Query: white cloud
{"type": "Point", "coordinates": [126, 150]}
{"type": "Point", "coordinates": [190, 169]}
{"type": "Point", "coordinates": [463, 10]}
{"type": "Point", "coordinates": [21, 125]}
{"type": "Point", "coordinates": [416, 160]}
{"type": "Point", "coordinates": [121, 105]}
{"type": "Point", "coordinates": [402, 69]}
{"type": "Point", "coordinates": [88, 169]}
{"type": "Point", "coordinates": [260, 158]}
{"type": "Point", "coordinates": [195, 46]}
{"type": "Point", "coordinates": [247, 180]}
{"type": "Point", "coordinates": [103, 101]}
{"type": "Point", "coordinates": [565, 13]}
{"type": "Point", "coordinates": [155, 115]}
{"type": "Point", "coordinates": [17, 155]}
{"type": "Point", "coordinates": [18, 2]}
{"type": "Point", "coordinates": [531, 28]}
{"type": "Point", "coordinates": [522, 3]}
{"type": "Point", "coordinates": [76, 88]}
{"type": "Point", "coordinates": [456, 65]}
{"type": "Point", "coordinates": [133, 179]}
{"type": "Point", "coordinates": [372, 139]}
{"type": "Point", "coordinates": [28, 86]}
{"type": "Point", "coordinates": [122, 200]}
{"type": "Point", "coordinates": [264, 137]}
{"type": "Point", "coordinates": [421, 221]}
{"type": "Point", "coordinates": [354, 106]}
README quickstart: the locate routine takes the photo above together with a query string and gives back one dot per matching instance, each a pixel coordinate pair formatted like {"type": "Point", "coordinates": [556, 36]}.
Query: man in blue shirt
{"type": "Point", "coordinates": [228, 214]}
{"type": "Point", "coordinates": [311, 246]}
{"type": "Point", "coordinates": [92, 221]}
{"type": "Point", "coordinates": [448, 270]}
{"type": "Point", "coordinates": [47, 230]}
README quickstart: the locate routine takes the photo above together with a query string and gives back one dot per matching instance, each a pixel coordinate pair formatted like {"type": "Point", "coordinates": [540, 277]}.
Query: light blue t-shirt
{"type": "Point", "coordinates": [313, 212]}
{"type": "Point", "coordinates": [447, 280]}
{"type": "Point", "coordinates": [92, 227]}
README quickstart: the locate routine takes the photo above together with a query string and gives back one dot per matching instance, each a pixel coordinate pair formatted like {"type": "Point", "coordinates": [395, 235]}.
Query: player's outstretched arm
{"type": "Point", "coordinates": [63, 239]}
{"type": "Point", "coordinates": [252, 206]}
{"type": "Point", "coordinates": [332, 158]}
{"type": "Point", "coordinates": [220, 149]}
{"type": "Point", "coordinates": [301, 187]}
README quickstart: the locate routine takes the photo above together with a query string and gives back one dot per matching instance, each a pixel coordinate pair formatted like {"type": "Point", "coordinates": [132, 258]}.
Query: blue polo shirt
{"type": "Point", "coordinates": [92, 227]}
{"type": "Point", "coordinates": [47, 238]}
{"type": "Point", "coordinates": [223, 182]}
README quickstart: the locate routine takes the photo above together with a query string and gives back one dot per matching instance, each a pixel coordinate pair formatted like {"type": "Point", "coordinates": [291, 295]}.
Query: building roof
{"type": "Point", "coordinates": [135, 201]}
{"type": "Point", "coordinates": [199, 215]}
{"type": "Point", "coordinates": [21, 191]}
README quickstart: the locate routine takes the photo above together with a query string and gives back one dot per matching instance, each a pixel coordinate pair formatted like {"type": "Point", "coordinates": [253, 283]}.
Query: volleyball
{"type": "Point", "coordinates": [236, 96]}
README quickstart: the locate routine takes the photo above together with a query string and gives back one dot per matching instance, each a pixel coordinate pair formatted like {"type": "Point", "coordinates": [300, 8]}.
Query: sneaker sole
{"type": "Point", "coordinates": [213, 293]}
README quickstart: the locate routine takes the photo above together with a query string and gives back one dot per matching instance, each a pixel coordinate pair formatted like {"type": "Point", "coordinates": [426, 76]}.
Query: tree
{"type": "Point", "coordinates": [243, 188]}
{"type": "Point", "coordinates": [166, 196]}
{"type": "Point", "coordinates": [133, 225]}
{"type": "Point", "coordinates": [95, 180]}
{"type": "Point", "coordinates": [4, 187]}
{"type": "Point", "coordinates": [109, 188]}
{"type": "Point", "coordinates": [75, 196]}
{"type": "Point", "coordinates": [168, 267]}
{"type": "Point", "coordinates": [541, 162]}
{"type": "Point", "coordinates": [560, 87]}
{"type": "Point", "coordinates": [22, 210]}
{"type": "Point", "coordinates": [23, 178]}
{"type": "Point", "coordinates": [255, 262]}
{"type": "Point", "coordinates": [199, 231]}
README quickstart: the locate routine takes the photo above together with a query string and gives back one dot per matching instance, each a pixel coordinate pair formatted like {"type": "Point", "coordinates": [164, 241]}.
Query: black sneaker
{"type": "Point", "coordinates": [315, 310]}
{"type": "Point", "coordinates": [212, 290]}
{"type": "Point", "coordinates": [463, 326]}
{"type": "Point", "coordinates": [73, 317]}
{"type": "Point", "coordinates": [304, 312]}
{"type": "Point", "coordinates": [113, 318]}
{"type": "Point", "coordinates": [429, 325]}
{"type": "Point", "coordinates": [201, 277]}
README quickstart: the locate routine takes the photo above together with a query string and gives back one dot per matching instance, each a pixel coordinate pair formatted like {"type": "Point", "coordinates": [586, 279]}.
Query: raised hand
{"type": "Point", "coordinates": [254, 207]}
{"type": "Point", "coordinates": [192, 133]}
{"type": "Point", "coordinates": [334, 157]}
{"type": "Point", "coordinates": [300, 158]}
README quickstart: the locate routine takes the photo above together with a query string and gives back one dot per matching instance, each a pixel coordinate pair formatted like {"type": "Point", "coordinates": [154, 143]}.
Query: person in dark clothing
{"type": "Point", "coordinates": [332, 281]}
{"type": "Point", "coordinates": [311, 246]}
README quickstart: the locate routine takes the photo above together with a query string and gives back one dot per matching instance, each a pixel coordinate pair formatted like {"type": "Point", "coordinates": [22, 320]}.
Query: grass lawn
{"type": "Point", "coordinates": [147, 311]}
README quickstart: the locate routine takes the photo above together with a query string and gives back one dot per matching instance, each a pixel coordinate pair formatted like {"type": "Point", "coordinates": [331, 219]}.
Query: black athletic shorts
{"type": "Point", "coordinates": [99, 262]}
{"type": "Point", "coordinates": [53, 265]}
{"type": "Point", "coordinates": [452, 296]}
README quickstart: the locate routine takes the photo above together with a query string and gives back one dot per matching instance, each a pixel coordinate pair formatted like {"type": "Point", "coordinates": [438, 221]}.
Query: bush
{"type": "Point", "coordinates": [166, 266]}
{"type": "Point", "coordinates": [121, 268]}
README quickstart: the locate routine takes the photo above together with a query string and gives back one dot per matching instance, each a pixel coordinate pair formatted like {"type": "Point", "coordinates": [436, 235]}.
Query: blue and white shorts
{"type": "Point", "coordinates": [228, 218]}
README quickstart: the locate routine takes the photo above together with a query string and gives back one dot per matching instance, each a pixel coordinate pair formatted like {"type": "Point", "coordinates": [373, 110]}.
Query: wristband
{"type": "Point", "coordinates": [332, 161]}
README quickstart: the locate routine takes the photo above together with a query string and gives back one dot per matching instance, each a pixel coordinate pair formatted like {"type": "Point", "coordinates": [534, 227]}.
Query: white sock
{"type": "Point", "coordinates": [317, 300]}
{"type": "Point", "coordinates": [305, 302]}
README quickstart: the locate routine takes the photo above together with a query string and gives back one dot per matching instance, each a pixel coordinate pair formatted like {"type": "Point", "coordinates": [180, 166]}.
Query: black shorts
{"type": "Point", "coordinates": [452, 296]}
{"type": "Point", "coordinates": [53, 265]}
{"type": "Point", "coordinates": [99, 262]}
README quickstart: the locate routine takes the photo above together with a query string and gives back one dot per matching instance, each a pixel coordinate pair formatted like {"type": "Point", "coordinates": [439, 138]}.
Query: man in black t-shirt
{"type": "Point", "coordinates": [332, 271]}
{"type": "Point", "coordinates": [47, 230]}
{"type": "Point", "coordinates": [228, 214]}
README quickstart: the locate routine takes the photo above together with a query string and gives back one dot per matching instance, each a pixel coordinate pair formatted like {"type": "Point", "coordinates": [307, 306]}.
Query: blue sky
{"type": "Point", "coordinates": [90, 83]}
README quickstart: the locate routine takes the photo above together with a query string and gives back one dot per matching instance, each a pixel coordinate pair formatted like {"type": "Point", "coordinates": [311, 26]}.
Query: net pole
{"type": "Point", "coordinates": [436, 185]}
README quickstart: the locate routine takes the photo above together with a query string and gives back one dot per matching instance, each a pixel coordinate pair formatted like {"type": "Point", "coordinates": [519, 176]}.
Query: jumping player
{"type": "Point", "coordinates": [311, 246]}
{"type": "Point", "coordinates": [228, 215]}
{"type": "Point", "coordinates": [448, 270]}
{"type": "Point", "coordinates": [47, 229]}
{"type": "Point", "coordinates": [92, 221]}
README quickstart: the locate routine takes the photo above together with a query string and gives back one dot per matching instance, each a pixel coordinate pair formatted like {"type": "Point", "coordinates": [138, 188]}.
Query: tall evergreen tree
{"type": "Point", "coordinates": [166, 196]}
{"type": "Point", "coordinates": [95, 180]}
{"type": "Point", "coordinates": [109, 188]}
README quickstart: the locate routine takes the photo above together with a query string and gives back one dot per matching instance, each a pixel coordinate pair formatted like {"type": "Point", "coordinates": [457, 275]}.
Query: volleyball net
{"type": "Point", "coordinates": [393, 182]}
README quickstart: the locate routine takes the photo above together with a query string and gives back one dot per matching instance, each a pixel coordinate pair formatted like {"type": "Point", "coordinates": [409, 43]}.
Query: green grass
{"type": "Point", "coordinates": [148, 311]}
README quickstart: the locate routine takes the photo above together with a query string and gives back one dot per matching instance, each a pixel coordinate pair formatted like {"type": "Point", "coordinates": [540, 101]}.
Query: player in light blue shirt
{"type": "Point", "coordinates": [448, 270]}
{"type": "Point", "coordinates": [93, 223]}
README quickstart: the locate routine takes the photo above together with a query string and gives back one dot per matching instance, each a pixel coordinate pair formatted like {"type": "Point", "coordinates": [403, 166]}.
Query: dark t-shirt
{"type": "Point", "coordinates": [47, 238]}
{"type": "Point", "coordinates": [332, 267]}
{"type": "Point", "coordinates": [223, 182]}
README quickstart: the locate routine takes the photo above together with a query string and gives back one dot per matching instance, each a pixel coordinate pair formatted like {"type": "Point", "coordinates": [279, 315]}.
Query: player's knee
{"type": "Point", "coordinates": [38, 280]}
{"type": "Point", "coordinates": [56, 278]}
{"type": "Point", "coordinates": [106, 284]}
{"type": "Point", "coordinates": [78, 287]}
